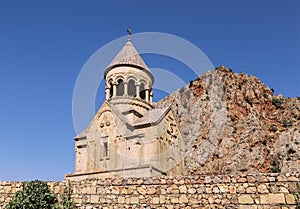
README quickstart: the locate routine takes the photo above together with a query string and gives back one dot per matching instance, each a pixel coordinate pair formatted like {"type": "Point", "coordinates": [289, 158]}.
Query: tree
{"type": "Point", "coordinates": [35, 195]}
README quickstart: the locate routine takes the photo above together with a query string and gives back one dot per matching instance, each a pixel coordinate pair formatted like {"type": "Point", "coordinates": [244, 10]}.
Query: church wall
{"type": "Point", "coordinates": [207, 191]}
{"type": "Point", "coordinates": [81, 155]}
{"type": "Point", "coordinates": [125, 148]}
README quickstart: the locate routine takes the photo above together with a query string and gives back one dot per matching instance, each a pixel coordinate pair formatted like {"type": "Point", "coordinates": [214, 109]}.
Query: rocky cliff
{"type": "Point", "coordinates": [233, 123]}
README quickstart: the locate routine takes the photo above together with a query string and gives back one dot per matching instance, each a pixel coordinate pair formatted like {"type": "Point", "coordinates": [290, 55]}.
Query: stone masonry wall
{"type": "Point", "coordinates": [207, 191]}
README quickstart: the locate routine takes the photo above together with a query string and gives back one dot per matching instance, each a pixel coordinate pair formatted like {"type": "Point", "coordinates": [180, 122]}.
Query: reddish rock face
{"type": "Point", "coordinates": [257, 132]}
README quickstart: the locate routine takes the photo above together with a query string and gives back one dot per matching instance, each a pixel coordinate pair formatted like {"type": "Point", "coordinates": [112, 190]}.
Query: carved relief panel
{"type": "Point", "coordinates": [106, 125]}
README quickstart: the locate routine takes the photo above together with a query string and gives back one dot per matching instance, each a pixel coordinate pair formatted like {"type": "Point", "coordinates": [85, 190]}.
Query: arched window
{"type": "Point", "coordinates": [120, 87]}
{"type": "Point", "coordinates": [131, 88]}
{"type": "Point", "coordinates": [110, 90]}
{"type": "Point", "coordinates": [142, 91]}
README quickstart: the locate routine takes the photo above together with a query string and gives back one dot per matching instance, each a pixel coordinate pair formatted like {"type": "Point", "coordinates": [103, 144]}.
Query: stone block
{"type": "Point", "coordinates": [192, 191]}
{"type": "Point", "coordinates": [216, 179]}
{"type": "Point", "coordinates": [262, 189]}
{"type": "Point", "coordinates": [247, 207]}
{"type": "Point", "coordinates": [141, 190]}
{"type": "Point", "coordinates": [208, 190]}
{"type": "Point", "coordinates": [123, 190]}
{"type": "Point", "coordinates": [182, 189]}
{"type": "Point", "coordinates": [83, 190]}
{"type": "Point", "coordinates": [264, 199]}
{"type": "Point", "coordinates": [241, 189]}
{"type": "Point", "coordinates": [293, 186]}
{"type": "Point", "coordinates": [290, 199]}
{"type": "Point", "coordinates": [155, 200]}
{"type": "Point", "coordinates": [183, 199]}
{"type": "Point", "coordinates": [223, 188]}
{"type": "Point", "coordinates": [251, 190]}
{"type": "Point", "coordinates": [7, 189]}
{"type": "Point", "coordinates": [251, 179]}
{"type": "Point", "coordinates": [293, 178]}
{"type": "Point", "coordinates": [150, 190]}
{"type": "Point", "coordinates": [276, 199]}
{"type": "Point", "coordinates": [216, 190]}
{"type": "Point", "coordinates": [242, 180]}
{"type": "Point", "coordinates": [114, 190]}
{"type": "Point", "coordinates": [232, 189]}
{"type": "Point", "coordinates": [174, 199]}
{"type": "Point", "coordinates": [283, 190]}
{"type": "Point", "coordinates": [94, 198]}
{"type": "Point", "coordinates": [121, 199]}
{"type": "Point", "coordinates": [134, 200]}
{"type": "Point", "coordinates": [162, 199]}
{"type": "Point", "coordinates": [245, 199]}
{"type": "Point", "coordinates": [226, 179]}
{"type": "Point", "coordinates": [211, 200]}
{"type": "Point", "coordinates": [207, 179]}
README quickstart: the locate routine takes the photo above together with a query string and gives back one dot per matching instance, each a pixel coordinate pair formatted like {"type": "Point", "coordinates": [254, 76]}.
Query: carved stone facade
{"type": "Point", "coordinates": [128, 136]}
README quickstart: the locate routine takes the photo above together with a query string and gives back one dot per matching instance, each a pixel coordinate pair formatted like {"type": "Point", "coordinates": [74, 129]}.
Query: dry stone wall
{"type": "Point", "coordinates": [198, 191]}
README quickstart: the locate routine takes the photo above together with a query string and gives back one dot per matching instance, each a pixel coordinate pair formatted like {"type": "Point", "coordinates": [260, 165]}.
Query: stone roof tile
{"type": "Point", "coordinates": [128, 56]}
{"type": "Point", "coordinates": [152, 116]}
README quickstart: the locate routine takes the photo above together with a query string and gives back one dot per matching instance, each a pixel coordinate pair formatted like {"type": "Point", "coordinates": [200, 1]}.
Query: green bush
{"type": "Point", "coordinates": [35, 195]}
{"type": "Point", "coordinates": [277, 102]}
{"type": "Point", "coordinates": [274, 170]}
{"type": "Point", "coordinates": [273, 128]}
{"type": "Point", "coordinates": [287, 123]}
{"type": "Point", "coordinates": [181, 90]}
{"type": "Point", "coordinates": [66, 198]}
{"type": "Point", "coordinates": [249, 101]}
{"type": "Point", "coordinates": [240, 86]}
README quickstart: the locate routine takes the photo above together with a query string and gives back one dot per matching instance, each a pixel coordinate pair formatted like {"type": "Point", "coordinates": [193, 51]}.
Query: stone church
{"type": "Point", "coordinates": [128, 136]}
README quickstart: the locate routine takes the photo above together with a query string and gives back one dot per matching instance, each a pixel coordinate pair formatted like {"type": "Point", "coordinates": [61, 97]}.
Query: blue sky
{"type": "Point", "coordinates": [44, 45]}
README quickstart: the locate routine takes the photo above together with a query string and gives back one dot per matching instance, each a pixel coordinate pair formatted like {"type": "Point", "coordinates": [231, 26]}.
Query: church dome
{"type": "Point", "coordinates": [128, 76]}
{"type": "Point", "coordinates": [129, 56]}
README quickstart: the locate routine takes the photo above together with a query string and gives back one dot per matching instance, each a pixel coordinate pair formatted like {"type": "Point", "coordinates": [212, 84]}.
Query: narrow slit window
{"type": "Point", "coordinates": [110, 90]}
{"type": "Point", "coordinates": [105, 146]}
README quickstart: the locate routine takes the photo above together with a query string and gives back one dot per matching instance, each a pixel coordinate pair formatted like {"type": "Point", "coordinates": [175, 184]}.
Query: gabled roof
{"type": "Point", "coordinates": [81, 135]}
{"type": "Point", "coordinates": [114, 109]}
{"type": "Point", "coordinates": [128, 56]}
{"type": "Point", "coordinates": [152, 116]}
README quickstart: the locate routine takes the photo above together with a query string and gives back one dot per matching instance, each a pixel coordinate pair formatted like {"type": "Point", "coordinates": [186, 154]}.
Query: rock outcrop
{"type": "Point", "coordinates": [233, 123]}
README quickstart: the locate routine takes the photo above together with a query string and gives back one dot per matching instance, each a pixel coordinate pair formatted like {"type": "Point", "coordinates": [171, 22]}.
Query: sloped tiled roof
{"type": "Point", "coordinates": [128, 56]}
{"type": "Point", "coordinates": [81, 134]}
{"type": "Point", "coordinates": [152, 116]}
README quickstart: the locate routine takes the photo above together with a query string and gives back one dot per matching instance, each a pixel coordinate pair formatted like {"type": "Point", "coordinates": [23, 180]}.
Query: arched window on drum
{"type": "Point", "coordinates": [110, 89]}
{"type": "Point", "coordinates": [142, 91]}
{"type": "Point", "coordinates": [120, 87]}
{"type": "Point", "coordinates": [131, 88]}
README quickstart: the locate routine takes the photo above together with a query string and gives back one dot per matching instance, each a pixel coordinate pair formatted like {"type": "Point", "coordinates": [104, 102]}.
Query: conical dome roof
{"type": "Point", "coordinates": [128, 56]}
